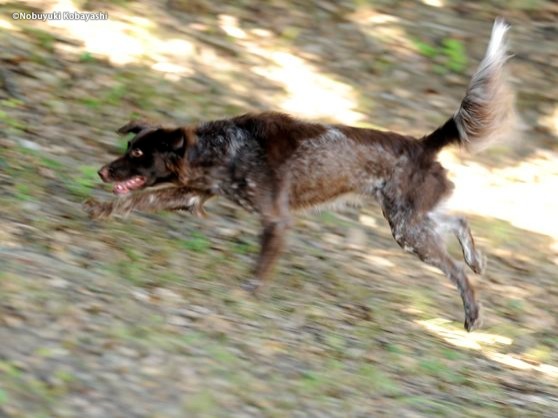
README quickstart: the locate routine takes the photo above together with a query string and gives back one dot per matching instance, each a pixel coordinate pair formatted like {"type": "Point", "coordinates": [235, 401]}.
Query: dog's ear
{"type": "Point", "coordinates": [174, 139]}
{"type": "Point", "coordinates": [135, 127]}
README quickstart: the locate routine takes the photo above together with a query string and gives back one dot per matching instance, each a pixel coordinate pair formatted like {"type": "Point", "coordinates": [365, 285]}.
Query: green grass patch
{"type": "Point", "coordinates": [92, 103]}
{"type": "Point", "coordinates": [134, 272]}
{"type": "Point", "coordinates": [451, 54]}
{"type": "Point", "coordinates": [111, 97]}
{"type": "Point", "coordinates": [453, 355]}
{"type": "Point", "coordinates": [244, 247]}
{"type": "Point", "coordinates": [331, 219]}
{"type": "Point", "coordinates": [122, 144]}
{"type": "Point", "coordinates": [201, 404]}
{"type": "Point", "coordinates": [197, 242]}
{"type": "Point", "coordinates": [11, 103]}
{"type": "Point", "coordinates": [132, 253]}
{"type": "Point", "coordinates": [65, 377]}
{"type": "Point", "coordinates": [419, 299]}
{"type": "Point", "coordinates": [115, 94]}
{"type": "Point", "coordinates": [514, 308]}
{"type": "Point", "coordinates": [456, 56]}
{"type": "Point", "coordinates": [336, 342]}
{"type": "Point", "coordinates": [82, 185]}
{"type": "Point", "coordinates": [312, 382]}
{"type": "Point", "coordinates": [371, 376]}
{"type": "Point", "coordinates": [12, 123]}
{"type": "Point", "coordinates": [500, 233]}
{"type": "Point", "coordinates": [290, 34]}
{"type": "Point", "coordinates": [223, 356]}
{"type": "Point", "coordinates": [44, 39]}
{"type": "Point", "coordinates": [523, 5]}
{"type": "Point", "coordinates": [540, 353]}
{"type": "Point", "coordinates": [86, 57]}
{"type": "Point", "coordinates": [426, 49]}
{"type": "Point", "coordinates": [51, 164]}
{"type": "Point", "coordinates": [430, 406]}
{"type": "Point", "coordinates": [440, 370]}
{"type": "Point", "coordinates": [23, 192]}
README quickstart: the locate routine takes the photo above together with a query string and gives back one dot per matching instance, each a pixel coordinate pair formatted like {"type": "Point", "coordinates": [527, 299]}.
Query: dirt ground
{"type": "Point", "coordinates": [144, 316]}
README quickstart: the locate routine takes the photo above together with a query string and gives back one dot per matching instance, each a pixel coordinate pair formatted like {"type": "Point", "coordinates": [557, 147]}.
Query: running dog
{"type": "Point", "coordinates": [274, 165]}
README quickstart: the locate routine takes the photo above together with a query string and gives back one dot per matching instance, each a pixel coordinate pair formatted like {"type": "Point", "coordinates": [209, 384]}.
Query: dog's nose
{"type": "Point", "coordinates": [104, 173]}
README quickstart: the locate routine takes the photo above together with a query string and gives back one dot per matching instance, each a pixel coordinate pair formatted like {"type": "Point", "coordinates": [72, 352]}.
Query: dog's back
{"type": "Point", "coordinates": [322, 162]}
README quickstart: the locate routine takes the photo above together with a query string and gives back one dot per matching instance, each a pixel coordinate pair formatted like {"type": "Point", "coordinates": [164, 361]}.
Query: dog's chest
{"type": "Point", "coordinates": [241, 179]}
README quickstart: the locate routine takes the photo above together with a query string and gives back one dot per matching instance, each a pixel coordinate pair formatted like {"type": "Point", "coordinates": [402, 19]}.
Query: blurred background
{"type": "Point", "coordinates": [143, 316]}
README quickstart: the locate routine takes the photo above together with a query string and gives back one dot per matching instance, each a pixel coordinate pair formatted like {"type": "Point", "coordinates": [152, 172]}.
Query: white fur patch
{"type": "Point", "coordinates": [194, 200]}
{"type": "Point", "coordinates": [497, 48]}
{"type": "Point", "coordinates": [487, 113]}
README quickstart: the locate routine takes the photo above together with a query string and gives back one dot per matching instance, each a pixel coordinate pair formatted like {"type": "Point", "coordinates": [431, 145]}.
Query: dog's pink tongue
{"type": "Point", "coordinates": [120, 188]}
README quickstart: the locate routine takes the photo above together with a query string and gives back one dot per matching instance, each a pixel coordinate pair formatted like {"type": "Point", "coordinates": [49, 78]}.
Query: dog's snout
{"type": "Point", "coordinates": [104, 173]}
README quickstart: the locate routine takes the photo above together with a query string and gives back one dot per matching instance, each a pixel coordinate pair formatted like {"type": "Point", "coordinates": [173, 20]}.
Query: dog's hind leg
{"type": "Point", "coordinates": [460, 228]}
{"type": "Point", "coordinates": [418, 235]}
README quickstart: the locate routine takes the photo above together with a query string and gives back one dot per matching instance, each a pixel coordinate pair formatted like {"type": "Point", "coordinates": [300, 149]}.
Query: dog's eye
{"type": "Point", "coordinates": [136, 153]}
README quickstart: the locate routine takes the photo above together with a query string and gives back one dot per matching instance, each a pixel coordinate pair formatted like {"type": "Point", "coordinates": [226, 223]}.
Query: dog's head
{"type": "Point", "coordinates": [153, 156]}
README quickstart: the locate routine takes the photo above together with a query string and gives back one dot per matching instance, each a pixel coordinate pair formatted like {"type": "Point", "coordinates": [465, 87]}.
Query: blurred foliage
{"type": "Point", "coordinates": [197, 242]}
{"type": "Point", "coordinates": [83, 184]}
{"type": "Point", "coordinates": [450, 55]}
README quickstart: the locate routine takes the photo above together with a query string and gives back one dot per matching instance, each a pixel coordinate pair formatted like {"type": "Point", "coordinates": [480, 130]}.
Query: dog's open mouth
{"type": "Point", "coordinates": [123, 187]}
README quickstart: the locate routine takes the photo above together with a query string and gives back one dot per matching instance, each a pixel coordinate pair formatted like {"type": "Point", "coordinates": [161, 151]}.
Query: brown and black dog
{"type": "Point", "coordinates": [273, 164]}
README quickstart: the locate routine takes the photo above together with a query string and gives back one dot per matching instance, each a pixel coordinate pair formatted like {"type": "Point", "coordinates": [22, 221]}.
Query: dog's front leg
{"type": "Point", "coordinates": [273, 238]}
{"type": "Point", "coordinates": [172, 198]}
{"type": "Point", "coordinates": [276, 220]}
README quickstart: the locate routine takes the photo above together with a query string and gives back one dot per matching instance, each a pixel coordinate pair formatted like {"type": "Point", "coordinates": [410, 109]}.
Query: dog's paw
{"type": "Point", "coordinates": [95, 209]}
{"type": "Point", "coordinates": [479, 263]}
{"type": "Point", "coordinates": [473, 318]}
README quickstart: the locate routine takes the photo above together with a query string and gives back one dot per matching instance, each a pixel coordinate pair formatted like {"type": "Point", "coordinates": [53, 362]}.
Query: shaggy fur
{"type": "Point", "coordinates": [273, 164]}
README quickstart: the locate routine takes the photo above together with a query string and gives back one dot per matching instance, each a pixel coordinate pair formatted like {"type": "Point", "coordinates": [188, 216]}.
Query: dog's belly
{"type": "Point", "coordinates": [332, 166]}
{"type": "Point", "coordinates": [334, 204]}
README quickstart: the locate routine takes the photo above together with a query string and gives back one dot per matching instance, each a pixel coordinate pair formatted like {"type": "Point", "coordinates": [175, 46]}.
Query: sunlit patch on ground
{"type": "Point", "coordinates": [487, 343]}
{"type": "Point", "coordinates": [230, 25]}
{"type": "Point", "coordinates": [127, 41]}
{"type": "Point", "coordinates": [550, 121]}
{"type": "Point", "coordinates": [4, 24]}
{"type": "Point", "coordinates": [524, 194]}
{"type": "Point", "coordinates": [368, 221]}
{"type": "Point", "coordinates": [434, 3]}
{"type": "Point", "coordinates": [309, 92]}
{"type": "Point", "coordinates": [122, 43]}
{"type": "Point", "coordinates": [387, 28]}
{"type": "Point", "coordinates": [379, 261]}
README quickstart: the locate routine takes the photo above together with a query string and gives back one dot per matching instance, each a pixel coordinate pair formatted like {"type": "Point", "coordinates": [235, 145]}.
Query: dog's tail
{"type": "Point", "coordinates": [487, 113]}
